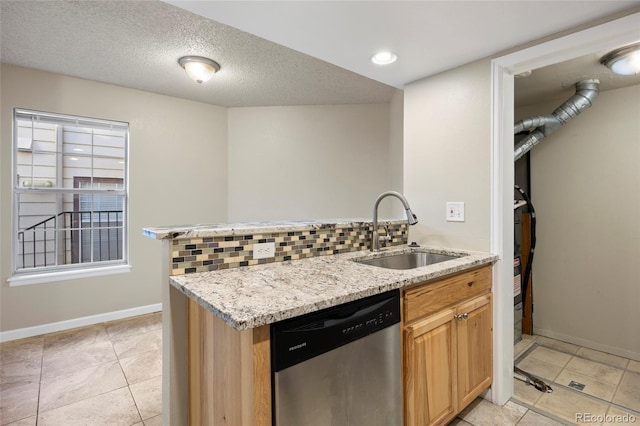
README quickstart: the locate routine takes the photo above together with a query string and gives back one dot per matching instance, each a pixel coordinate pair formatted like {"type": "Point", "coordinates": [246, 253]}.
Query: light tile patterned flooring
{"type": "Point", "coordinates": [110, 374]}
{"type": "Point", "coordinates": [612, 389]}
{"type": "Point", "coordinates": [612, 383]}
{"type": "Point", "coordinates": [104, 374]}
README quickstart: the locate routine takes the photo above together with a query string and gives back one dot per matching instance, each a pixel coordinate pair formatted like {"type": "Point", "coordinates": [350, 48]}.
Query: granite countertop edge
{"type": "Point", "coordinates": [243, 228]}
{"type": "Point", "coordinates": [249, 297]}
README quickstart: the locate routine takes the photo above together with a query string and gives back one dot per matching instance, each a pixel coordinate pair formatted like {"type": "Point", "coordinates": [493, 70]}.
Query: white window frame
{"type": "Point", "coordinates": [57, 272]}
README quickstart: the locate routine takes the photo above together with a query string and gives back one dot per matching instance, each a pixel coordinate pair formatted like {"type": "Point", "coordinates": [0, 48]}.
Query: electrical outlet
{"type": "Point", "coordinates": [264, 250]}
{"type": "Point", "coordinates": [455, 211]}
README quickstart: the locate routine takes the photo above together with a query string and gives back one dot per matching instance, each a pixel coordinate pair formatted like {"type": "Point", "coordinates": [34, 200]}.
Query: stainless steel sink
{"type": "Point", "coordinates": [407, 260]}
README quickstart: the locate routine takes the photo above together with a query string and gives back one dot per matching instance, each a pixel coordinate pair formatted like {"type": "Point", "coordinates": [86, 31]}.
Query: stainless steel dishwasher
{"type": "Point", "coordinates": [339, 366]}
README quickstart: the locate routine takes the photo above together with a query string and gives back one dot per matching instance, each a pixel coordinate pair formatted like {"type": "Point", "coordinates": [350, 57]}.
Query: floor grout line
{"type": "Point", "coordinates": [136, 404]}
{"type": "Point", "coordinates": [537, 410]}
{"type": "Point", "coordinates": [609, 404]}
{"type": "Point", "coordinates": [40, 383]}
{"type": "Point", "coordinates": [525, 353]}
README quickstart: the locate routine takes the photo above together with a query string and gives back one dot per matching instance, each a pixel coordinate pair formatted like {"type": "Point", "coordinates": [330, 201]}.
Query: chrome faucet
{"type": "Point", "coordinates": [411, 218]}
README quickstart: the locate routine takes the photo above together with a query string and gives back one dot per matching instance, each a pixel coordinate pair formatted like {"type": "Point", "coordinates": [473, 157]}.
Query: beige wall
{"type": "Point", "coordinates": [177, 155]}
{"type": "Point", "coordinates": [447, 124]}
{"type": "Point", "coordinates": [586, 191]}
{"type": "Point", "coordinates": [307, 162]}
{"type": "Point", "coordinates": [396, 141]}
{"type": "Point", "coordinates": [282, 163]}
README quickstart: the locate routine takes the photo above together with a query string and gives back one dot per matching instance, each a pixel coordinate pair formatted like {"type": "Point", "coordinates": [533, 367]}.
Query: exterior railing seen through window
{"type": "Point", "coordinates": [72, 237]}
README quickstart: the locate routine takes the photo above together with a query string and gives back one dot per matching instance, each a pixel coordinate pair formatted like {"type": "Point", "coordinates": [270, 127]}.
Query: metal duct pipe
{"type": "Point", "coordinates": [543, 126]}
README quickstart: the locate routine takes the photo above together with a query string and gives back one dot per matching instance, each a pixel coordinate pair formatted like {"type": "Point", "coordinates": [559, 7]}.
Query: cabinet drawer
{"type": "Point", "coordinates": [432, 297]}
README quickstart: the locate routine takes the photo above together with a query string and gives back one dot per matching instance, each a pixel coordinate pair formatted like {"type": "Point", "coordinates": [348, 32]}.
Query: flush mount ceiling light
{"type": "Point", "coordinates": [198, 68]}
{"type": "Point", "coordinates": [384, 58]}
{"type": "Point", "coordinates": [623, 61]}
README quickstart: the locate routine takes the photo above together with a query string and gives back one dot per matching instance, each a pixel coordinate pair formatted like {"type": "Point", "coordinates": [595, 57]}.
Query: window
{"type": "Point", "coordinates": [104, 240]}
{"type": "Point", "coordinates": [70, 193]}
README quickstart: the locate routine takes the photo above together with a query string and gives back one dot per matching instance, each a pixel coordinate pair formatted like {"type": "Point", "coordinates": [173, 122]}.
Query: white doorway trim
{"type": "Point", "coordinates": [607, 36]}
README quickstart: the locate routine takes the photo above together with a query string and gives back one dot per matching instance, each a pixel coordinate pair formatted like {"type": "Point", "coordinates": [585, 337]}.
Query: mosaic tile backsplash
{"type": "Point", "coordinates": [189, 255]}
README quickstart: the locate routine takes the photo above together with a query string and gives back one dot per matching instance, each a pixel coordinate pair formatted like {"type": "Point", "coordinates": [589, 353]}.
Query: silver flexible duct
{"type": "Point", "coordinates": [543, 126]}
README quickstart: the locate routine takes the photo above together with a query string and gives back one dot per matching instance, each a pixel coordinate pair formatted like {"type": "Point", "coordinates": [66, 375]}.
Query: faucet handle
{"type": "Point", "coordinates": [387, 236]}
{"type": "Point", "coordinates": [412, 219]}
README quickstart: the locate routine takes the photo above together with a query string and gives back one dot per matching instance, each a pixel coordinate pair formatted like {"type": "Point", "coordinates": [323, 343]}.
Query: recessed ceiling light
{"type": "Point", "coordinates": [384, 58]}
{"type": "Point", "coordinates": [623, 61]}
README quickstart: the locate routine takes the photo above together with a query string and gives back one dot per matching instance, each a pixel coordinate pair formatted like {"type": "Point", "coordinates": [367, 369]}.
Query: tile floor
{"type": "Point", "coordinates": [611, 383]}
{"type": "Point", "coordinates": [611, 394]}
{"type": "Point", "coordinates": [104, 374]}
{"type": "Point", "coordinates": [110, 374]}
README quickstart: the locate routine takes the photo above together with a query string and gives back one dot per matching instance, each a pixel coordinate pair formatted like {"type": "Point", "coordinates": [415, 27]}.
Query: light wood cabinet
{"type": "Point", "coordinates": [475, 354]}
{"type": "Point", "coordinates": [429, 370]}
{"type": "Point", "coordinates": [447, 347]}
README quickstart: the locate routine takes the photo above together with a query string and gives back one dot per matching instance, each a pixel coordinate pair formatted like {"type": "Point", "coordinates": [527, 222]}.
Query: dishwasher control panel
{"type": "Point", "coordinates": [386, 317]}
{"type": "Point", "coordinates": [301, 338]}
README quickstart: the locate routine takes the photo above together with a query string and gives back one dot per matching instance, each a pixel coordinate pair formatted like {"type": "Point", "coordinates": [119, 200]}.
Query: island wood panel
{"type": "Point", "coordinates": [262, 376]}
{"type": "Point", "coordinates": [229, 372]}
{"type": "Point", "coordinates": [430, 298]}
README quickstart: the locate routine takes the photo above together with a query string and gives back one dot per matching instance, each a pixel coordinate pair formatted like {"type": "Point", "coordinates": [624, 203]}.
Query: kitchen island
{"type": "Point", "coordinates": [216, 356]}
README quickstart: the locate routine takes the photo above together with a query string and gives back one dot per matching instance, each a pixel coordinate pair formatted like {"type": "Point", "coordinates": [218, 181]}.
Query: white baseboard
{"type": "Point", "coordinates": [37, 330]}
{"type": "Point", "coordinates": [588, 344]}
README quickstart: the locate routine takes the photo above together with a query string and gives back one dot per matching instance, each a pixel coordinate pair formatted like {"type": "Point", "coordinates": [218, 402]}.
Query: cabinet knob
{"type": "Point", "coordinates": [461, 317]}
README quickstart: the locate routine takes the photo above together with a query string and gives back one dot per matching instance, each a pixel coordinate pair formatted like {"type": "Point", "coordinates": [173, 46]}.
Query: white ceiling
{"type": "Point", "coordinates": [276, 53]}
{"type": "Point", "coordinates": [557, 81]}
{"type": "Point", "coordinates": [428, 36]}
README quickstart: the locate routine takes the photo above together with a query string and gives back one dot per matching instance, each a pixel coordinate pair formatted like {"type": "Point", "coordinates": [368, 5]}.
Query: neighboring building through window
{"type": "Point", "coordinates": [70, 192]}
{"type": "Point", "coordinates": [104, 243]}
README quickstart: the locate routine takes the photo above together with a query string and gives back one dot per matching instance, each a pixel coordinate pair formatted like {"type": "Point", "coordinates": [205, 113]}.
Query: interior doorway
{"type": "Point", "coordinates": [606, 36]}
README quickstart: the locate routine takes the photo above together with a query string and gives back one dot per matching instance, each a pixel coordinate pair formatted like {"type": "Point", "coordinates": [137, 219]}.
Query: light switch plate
{"type": "Point", "coordinates": [455, 211]}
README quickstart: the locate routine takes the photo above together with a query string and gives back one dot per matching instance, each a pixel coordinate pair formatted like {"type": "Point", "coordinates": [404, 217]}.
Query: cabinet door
{"type": "Point", "coordinates": [429, 370]}
{"type": "Point", "coordinates": [474, 331]}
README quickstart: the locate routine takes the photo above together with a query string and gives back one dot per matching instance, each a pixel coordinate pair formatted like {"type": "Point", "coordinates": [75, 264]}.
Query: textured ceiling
{"type": "Point", "coordinates": [137, 44]}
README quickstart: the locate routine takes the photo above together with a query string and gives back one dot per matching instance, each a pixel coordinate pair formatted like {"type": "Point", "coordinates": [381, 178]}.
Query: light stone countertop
{"type": "Point", "coordinates": [248, 297]}
{"type": "Point", "coordinates": [244, 228]}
